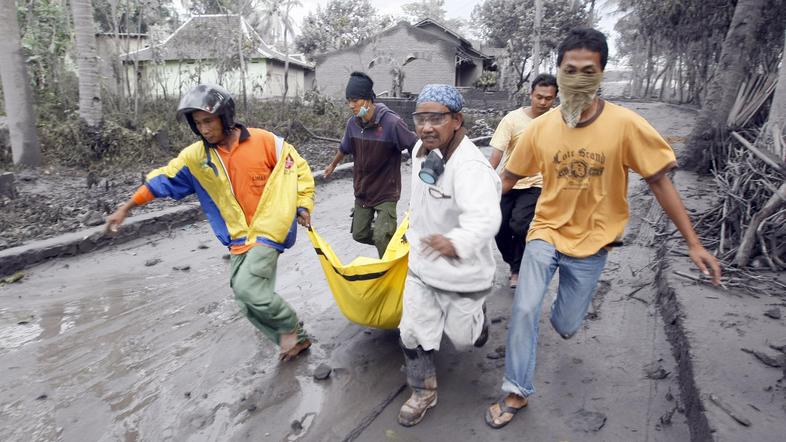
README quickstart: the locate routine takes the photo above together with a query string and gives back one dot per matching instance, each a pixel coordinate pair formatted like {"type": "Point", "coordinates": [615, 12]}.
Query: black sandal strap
{"type": "Point", "coordinates": [505, 408]}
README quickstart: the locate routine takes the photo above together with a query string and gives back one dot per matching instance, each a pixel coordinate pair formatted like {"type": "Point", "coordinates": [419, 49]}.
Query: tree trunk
{"type": "Point", "coordinates": [87, 59]}
{"type": "Point", "coordinates": [749, 238]}
{"type": "Point", "coordinates": [243, 72]}
{"type": "Point", "coordinates": [771, 135]}
{"type": "Point", "coordinates": [286, 61]}
{"type": "Point", "coordinates": [650, 67]}
{"type": "Point", "coordinates": [637, 66]}
{"type": "Point", "coordinates": [657, 77]}
{"type": "Point", "coordinates": [137, 74]}
{"type": "Point", "coordinates": [665, 85]}
{"type": "Point", "coordinates": [722, 90]}
{"type": "Point", "coordinates": [591, 14]}
{"type": "Point", "coordinates": [536, 44]}
{"type": "Point", "coordinates": [17, 94]}
{"type": "Point", "coordinates": [680, 81]}
{"type": "Point", "coordinates": [130, 93]}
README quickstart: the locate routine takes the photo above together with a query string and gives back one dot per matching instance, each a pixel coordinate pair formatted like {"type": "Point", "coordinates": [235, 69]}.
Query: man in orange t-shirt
{"type": "Point", "coordinates": [252, 186]}
{"type": "Point", "coordinates": [584, 149]}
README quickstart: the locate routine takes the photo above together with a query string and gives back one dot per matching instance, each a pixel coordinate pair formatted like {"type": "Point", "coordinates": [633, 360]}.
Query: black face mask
{"type": "Point", "coordinates": [432, 168]}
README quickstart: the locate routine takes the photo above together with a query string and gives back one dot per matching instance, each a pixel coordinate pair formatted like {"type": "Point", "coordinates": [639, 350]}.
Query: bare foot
{"type": "Point", "coordinates": [293, 352]}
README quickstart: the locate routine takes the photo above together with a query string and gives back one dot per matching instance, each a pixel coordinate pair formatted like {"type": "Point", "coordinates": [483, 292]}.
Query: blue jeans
{"type": "Point", "coordinates": [578, 278]}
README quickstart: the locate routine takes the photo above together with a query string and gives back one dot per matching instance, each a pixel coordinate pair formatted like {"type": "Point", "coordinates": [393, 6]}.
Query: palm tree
{"type": "Point", "coordinates": [771, 140]}
{"type": "Point", "coordinates": [90, 110]}
{"type": "Point", "coordinates": [771, 135]}
{"type": "Point", "coordinates": [18, 97]}
{"type": "Point", "coordinates": [277, 13]}
{"type": "Point", "coordinates": [722, 90]}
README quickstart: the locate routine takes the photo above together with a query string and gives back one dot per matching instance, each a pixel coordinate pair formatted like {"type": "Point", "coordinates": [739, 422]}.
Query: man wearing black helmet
{"type": "Point", "coordinates": [253, 187]}
{"type": "Point", "coordinates": [375, 136]}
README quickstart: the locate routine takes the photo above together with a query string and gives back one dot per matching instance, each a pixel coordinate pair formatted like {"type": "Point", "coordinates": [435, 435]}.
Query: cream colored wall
{"type": "Point", "coordinates": [296, 80]}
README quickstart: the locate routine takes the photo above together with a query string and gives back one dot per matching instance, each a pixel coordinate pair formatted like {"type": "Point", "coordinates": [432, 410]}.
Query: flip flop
{"type": "Point", "coordinates": [503, 408]}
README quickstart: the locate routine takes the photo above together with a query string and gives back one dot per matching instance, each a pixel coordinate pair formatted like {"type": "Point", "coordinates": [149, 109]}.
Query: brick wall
{"type": "Point", "coordinates": [404, 107]}
{"type": "Point", "coordinates": [477, 99]}
{"type": "Point", "coordinates": [437, 66]}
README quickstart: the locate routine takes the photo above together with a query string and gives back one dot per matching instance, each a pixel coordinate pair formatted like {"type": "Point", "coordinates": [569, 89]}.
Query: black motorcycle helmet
{"type": "Point", "coordinates": [209, 98]}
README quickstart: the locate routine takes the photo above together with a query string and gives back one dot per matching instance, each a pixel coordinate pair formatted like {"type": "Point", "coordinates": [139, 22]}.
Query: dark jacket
{"type": "Point", "coordinates": [376, 147]}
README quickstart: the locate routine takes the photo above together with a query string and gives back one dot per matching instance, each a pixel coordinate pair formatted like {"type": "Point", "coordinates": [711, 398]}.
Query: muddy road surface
{"type": "Point", "coordinates": [120, 345]}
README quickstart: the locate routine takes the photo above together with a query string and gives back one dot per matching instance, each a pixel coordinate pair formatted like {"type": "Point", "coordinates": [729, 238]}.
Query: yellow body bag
{"type": "Point", "coordinates": [369, 291]}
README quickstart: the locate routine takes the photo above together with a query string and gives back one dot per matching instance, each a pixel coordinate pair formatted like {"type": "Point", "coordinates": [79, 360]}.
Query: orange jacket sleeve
{"type": "Point", "coordinates": [143, 196]}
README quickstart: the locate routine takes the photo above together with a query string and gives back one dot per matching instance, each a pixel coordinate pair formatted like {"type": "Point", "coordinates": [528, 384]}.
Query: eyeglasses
{"type": "Point", "coordinates": [436, 193]}
{"type": "Point", "coordinates": [433, 118]}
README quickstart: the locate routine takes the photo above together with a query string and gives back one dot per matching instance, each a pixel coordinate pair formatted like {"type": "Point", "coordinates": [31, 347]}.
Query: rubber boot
{"type": "Point", "coordinates": [422, 379]}
{"type": "Point", "coordinates": [484, 333]}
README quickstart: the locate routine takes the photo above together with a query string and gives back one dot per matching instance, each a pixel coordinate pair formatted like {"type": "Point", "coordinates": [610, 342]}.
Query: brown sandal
{"type": "Point", "coordinates": [503, 408]}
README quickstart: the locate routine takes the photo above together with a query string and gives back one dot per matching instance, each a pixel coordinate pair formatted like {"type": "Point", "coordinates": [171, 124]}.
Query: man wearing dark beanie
{"type": "Point", "coordinates": [375, 136]}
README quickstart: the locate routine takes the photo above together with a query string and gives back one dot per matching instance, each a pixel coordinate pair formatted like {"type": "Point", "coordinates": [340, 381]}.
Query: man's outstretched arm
{"type": "Point", "coordinates": [670, 200]}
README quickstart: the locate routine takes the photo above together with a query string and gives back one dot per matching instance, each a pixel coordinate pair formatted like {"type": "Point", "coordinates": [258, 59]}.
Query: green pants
{"type": "Point", "coordinates": [377, 232]}
{"type": "Point", "coordinates": [254, 282]}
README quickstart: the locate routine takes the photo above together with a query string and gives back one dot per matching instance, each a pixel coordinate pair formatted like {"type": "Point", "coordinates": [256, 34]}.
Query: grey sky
{"type": "Point", "coordinates": [455, 8]}
{"type": "Point", "coordinates": [463, 9]}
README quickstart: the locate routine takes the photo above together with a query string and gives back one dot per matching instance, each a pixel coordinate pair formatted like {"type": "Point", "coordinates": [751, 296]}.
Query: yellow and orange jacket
{"type": "Point", "coordinates": [200, 169]}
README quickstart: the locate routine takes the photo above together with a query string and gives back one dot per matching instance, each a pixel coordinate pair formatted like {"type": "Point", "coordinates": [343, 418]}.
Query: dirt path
{"type": "Point", "coordinates": [103, 347]}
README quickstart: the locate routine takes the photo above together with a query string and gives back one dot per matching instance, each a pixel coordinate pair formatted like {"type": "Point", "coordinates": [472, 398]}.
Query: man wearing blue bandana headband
{"type": "Point", "coordinates": [454, 215]}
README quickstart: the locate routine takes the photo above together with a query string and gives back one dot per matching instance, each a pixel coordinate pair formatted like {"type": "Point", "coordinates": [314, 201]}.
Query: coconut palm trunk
{"type": "Point", "coordinates": [90, 109]}
{"type": "Point", "coordinates": [722, 91]}
{"type": "Point", "coordinates": [17, 95]}
{"type": "Point", "coordinates": [771, 135]}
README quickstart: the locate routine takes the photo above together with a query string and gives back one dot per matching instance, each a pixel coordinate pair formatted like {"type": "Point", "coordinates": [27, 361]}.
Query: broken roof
{"type": "Point", "coordinates": [205, 37]}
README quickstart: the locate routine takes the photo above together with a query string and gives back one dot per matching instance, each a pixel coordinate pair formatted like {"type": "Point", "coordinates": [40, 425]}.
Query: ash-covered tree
{"type": "Point", "coordinates": [46, 36]}
{"type": "Point", "coordinates": [202, 7]}
{"type": "Point", "coordinates": [18, 98]}
{"type": "Point", "coordinates": [90, 108]}
{"type": "Point", "coordinates": [279, 13]}
{"type": "Point", "coordinates": [120, 16]}
{"type": "Point", "coordinates": [433, 9]}
{"type": "Point", "coordinates": [771, 136]}
{"type": "Point", "coordinates": [341, 23]}
{"type": "Point", "coordinates": [680, 39]}
{"type": "Point", "coordinates": [699, 51]}
{"type": "Point", "coordinates": [511, 24]}
{"type": "Point", "coordinates": [736, 60]}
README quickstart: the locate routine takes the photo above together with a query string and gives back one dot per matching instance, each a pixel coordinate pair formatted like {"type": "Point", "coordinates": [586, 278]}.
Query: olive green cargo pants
{"type": "Point", "coordinates": [376, 232]}
{"type": "Point", "coordinates": [253, 279]}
